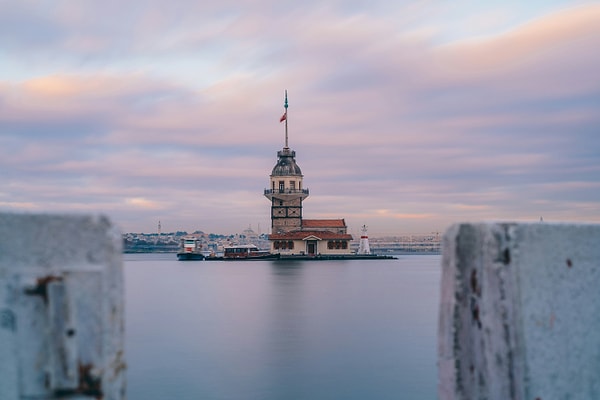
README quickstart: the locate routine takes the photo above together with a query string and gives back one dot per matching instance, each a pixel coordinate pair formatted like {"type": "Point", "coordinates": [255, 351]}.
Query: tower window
{"type": "Point", "coordinates": [293, 185]}
{"type": "Point", "coordinates": [281, 186]}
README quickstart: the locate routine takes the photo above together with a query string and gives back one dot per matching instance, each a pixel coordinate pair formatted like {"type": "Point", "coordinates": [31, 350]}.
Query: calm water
{"type": "Point", "coordinates": [270, 330]}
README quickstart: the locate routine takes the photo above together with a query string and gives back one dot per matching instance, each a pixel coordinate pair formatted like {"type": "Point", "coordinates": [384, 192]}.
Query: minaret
{"type": "Point", "coordinates": [286, 192]}
{"type": "Point", "coordinates": [363, 247]}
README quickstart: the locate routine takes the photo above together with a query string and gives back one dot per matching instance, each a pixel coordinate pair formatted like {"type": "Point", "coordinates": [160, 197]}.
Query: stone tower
{"type": "Point", "coordinates": [286, 192]}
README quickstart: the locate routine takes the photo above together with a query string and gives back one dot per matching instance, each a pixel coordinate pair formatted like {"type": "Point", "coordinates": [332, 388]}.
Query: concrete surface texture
{"type": "Point", "coordinates": [61, 308]}
{"type": "Point", "coordinates": [519, 312]}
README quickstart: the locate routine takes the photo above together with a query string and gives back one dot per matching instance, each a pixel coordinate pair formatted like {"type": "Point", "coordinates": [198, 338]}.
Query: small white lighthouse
{"type": "Point", "coordinates": [363, 247]}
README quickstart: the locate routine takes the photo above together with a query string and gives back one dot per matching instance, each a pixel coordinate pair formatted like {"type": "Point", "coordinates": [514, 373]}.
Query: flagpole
{"type": "Point", "coordinates": [286, 120]}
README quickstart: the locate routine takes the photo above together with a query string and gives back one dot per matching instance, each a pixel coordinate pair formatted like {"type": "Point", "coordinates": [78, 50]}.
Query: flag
{"type": "Point", "coordinates": [283, 117]}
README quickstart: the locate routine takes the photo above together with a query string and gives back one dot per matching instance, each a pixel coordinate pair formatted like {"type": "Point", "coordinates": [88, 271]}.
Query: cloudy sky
{"type": "Point", "coordinates": [405, 116]}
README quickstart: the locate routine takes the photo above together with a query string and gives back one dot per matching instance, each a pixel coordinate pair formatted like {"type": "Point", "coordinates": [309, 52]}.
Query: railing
{"type": "Point", "coordinates": [286, 191]}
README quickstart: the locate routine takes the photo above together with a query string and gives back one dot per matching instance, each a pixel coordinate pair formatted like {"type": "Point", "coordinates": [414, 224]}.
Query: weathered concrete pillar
{"type": "Point", "coordinates": [61, 308]}
{"type": "Point", "coordinates": [520, 312]}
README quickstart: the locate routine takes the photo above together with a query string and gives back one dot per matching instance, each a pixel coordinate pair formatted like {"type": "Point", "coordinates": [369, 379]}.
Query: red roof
{"type": "Point", "coordinates": [323, 223]}
{"type": "Point", "coordinates": [303, 235]}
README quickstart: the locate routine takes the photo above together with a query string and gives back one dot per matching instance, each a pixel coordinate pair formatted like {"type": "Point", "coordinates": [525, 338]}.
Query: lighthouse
{"type": "Point", "coordinates": [286, 192]}
{"type": "Point", "coordinates": [363, 246]}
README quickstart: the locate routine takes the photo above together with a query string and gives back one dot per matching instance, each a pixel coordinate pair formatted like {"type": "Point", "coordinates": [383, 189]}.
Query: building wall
{"type": "Point", "coordinates": [301, 247]}
{"type": "Point", "coordinates": [282, 218]}
{"type": "Point", "coordinates": [324, 248]}
{"type": "Point", "coordinates": [290, 182]}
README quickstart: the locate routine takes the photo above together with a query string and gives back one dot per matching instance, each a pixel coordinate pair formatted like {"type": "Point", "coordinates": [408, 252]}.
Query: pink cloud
{"type": "Point", "coordinates": [544, 55]}
{"type": "Point", "coordinates": [381, 117]}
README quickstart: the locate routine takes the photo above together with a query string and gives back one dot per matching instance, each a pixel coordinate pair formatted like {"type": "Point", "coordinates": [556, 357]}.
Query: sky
{"type": "Point", "coordinates": [406, 116]}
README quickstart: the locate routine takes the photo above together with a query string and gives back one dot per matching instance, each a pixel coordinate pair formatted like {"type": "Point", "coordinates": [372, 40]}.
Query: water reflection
{"type": "Point", "coordinates": [287, 336]}
{"type": "Point", "coordinates": [291, 267]}
{"type": "Point", "coordinates": [282, 330]}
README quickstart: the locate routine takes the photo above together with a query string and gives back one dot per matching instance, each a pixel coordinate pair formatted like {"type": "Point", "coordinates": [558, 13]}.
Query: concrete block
{"type": "Point", "coordinates": [61, 308]}
{"type": "Point", "coordinates": [520, 312]}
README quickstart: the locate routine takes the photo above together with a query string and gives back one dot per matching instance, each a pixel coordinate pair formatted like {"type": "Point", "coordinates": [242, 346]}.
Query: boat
{"type": "Point", "coordinates": [190, 249]}
{"type": "Point", "coordinates": [247, 252]}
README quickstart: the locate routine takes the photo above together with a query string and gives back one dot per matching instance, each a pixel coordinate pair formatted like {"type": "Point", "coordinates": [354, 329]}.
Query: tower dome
{"type": "Point", "coordinates": [286, 164]}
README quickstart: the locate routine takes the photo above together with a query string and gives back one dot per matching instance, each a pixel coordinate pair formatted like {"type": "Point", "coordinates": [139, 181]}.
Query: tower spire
{"type": "Point", "coordinates": [285, 104]}
{"type": "Point", "coordinates": [284, 118]}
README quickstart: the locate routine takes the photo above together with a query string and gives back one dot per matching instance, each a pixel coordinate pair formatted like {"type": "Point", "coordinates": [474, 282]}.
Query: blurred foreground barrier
{"type": "Point", "coordinates": [61, 308]}
{"type": "Point", "coordinates": [520, 312]}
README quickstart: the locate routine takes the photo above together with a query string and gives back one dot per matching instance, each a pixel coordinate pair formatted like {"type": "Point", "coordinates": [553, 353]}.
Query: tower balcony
{"type": "Point", "coordinates": [286, 152]}
{"type": "Point", "coordinates": [286, 194]}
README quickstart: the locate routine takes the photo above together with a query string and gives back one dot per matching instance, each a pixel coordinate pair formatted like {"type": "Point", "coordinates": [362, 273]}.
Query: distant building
{"type": "Point", "coordinates": [248, 236]}
{"type": "Point", "coordinates": [291, 234]}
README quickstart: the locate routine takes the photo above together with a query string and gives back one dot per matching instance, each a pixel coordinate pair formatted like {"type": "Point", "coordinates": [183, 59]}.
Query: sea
{"type": "Point", "coordinates": [281, 330]}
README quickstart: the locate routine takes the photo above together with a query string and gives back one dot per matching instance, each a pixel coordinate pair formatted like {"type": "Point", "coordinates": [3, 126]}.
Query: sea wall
{"type": "Point", "coordinates": [61, 308]}
{"type": "Point", "coordinates": [520, 312]}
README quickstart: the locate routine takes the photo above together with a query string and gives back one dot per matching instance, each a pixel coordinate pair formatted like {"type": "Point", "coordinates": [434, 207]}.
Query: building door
{"type": "Point", "coordinates": [311, 247]}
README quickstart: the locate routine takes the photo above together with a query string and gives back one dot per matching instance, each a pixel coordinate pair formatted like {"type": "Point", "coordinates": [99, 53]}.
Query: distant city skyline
{"type": "Point", "coordinates": [405, 116]}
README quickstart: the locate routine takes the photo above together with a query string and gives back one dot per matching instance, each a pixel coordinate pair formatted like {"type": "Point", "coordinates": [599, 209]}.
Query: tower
{"type": "Point", "coordinates": [363, 247]}
{"type": "Point", "coordinates": [286, 192]}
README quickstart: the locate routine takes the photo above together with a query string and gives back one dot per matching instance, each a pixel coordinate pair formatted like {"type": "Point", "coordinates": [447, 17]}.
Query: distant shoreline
{"type": "Point", "coordinates": [395, 253]}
